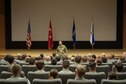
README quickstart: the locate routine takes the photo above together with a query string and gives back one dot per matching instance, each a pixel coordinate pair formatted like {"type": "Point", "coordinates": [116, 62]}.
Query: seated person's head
{"type": "Point", "coordinates": [94, 56]}
{"type": "Point", "coordinates": [72, 59]}
{"type": "Point", "coordinates": [66, 64]}
{"type": "Point", "coordinates": [41, 56]}
{"type": "Point", "coordinates": [38, 58]}
{"type": "Point", "coordinates": [16, 70]}
{"type": "Point", "coordinates": [92, 67]}
{"type": "Point", "coordinates": [19, 56]}
{"type": "Point", "coordinates": [103, 54]}
{"type": "Point", "coordinates": [119, 66]}
{"type": "Point", "coordinates": [111, 56]}
{"type": "Point", "coordinates": [104, 59]}
{"type": "Point", "coordinates": [53, 73]}
{"type": "Point", "coordinates": [6, 58]}
{"type": "Point", "coordinates": [40, 64]}
{"type": "Point", "coordinates": [58, 58]}
{"type": "Point", "coordinates": [91, 59]}
{"type": "Point", "coordinates": [47, 58]}
{"type": "Point", "coordinates": [80, 70]}
{"type": "Point", "coordinates": [84, 58]}
{"type": "Point", "coordinates": [11, 59]}
{"type": "Point", "coordinates": [24, 56]}
{"type": "Point", "coordinates": [78, 59]}
{"type": "Point", "coordinates": [31, 61]}
{"type": "Point", "coordinates": [54, 61]}
{"type": "Point", "coordinates": [122, 59]}
{"type": "Point", "coordinates": [99, 61]}
{"type": "Point", "coordinates": [65, 57]}
{"type": "Point", "coordinates": [112, 76]}
{"type": "Point", "coordinates": [54, 54]}
{"type": "Point", "coordinates": [27, 59]}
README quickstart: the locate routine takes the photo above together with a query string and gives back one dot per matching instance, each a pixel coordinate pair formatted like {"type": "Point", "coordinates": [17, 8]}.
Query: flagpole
{"type": "Point", "coordinates": [92, 47]}
{"type": "Point", "coordinates": [28, 48]}
{"type": "Point", "coordinates": [74, 46]}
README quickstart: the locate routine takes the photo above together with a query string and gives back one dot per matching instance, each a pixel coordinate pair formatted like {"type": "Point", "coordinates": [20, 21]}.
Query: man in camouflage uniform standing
{"type": "Point", "coordinates": [61, 50]}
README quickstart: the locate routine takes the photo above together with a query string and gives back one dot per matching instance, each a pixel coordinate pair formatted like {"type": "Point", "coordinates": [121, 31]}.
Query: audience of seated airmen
{"type": "Point", "coordinates": [40, 66]}
{"type": "Point", "coordinates": [65, 65]}
{"type": "Point", "coordinates": [16, 71]}
{"type": "Point", "coordinates": [53, 74]}
{"type": "Point", "coordinates": [80, 71]}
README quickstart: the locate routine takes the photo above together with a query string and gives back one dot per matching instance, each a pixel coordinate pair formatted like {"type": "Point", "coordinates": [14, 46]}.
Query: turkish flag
{"type": "Point", "coordinates": [50, 36]}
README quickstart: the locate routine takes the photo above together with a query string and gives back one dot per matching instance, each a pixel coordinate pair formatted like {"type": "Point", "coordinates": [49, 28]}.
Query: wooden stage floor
{"type": "Point", "coordinates": [36, 52]}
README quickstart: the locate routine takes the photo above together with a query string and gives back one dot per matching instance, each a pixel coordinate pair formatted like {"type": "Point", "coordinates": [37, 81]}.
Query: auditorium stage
{"type": "Point", "coordinates": [36, 52]}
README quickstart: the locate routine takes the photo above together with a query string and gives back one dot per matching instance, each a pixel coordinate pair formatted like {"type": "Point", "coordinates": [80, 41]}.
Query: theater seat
{"type": "Point", "coordinates": [27, 68]}
{"type": "Point", "coordinates": [121, 75]}
{"type": "Point", "coordinates": [49, 67]}
{"type": "Point", "coordinates": [17, 81]}
{"type": "Point", "coordinates": [105, 81]}
{"type": "Point", "coordinates": [72, 81]}
{"type": "Point", "coordinates": [47, 81]}
{"type": "Point", "coordinates": [103, 68]}
{"type": "Point", "coordinates": [65, 77]}
{"type": "Point", "coordinates": [97, 76]}
{"type": "Point", "coordinates": [4, 68]}
{"type": "Point", "coordinates": [34, 75]}
{"type": "Point", "coordinates": [6, 74]}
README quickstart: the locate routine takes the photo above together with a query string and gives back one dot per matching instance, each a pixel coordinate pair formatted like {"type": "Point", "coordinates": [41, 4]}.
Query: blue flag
{"type": "Point", "coordinates": [74, 33]}
{"type": "Point", "coordinates": [92, 39]}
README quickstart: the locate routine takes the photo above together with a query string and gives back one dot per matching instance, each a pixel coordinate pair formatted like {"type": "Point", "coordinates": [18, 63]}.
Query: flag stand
{"type": "Point", "coordinates": [74, 46]}
{"type": "Point", "coordinates": [92, 47]}
{"type": "Point", "coordinates": [50, 49]}
{"type": "Point", "coordinates": [28, 48]}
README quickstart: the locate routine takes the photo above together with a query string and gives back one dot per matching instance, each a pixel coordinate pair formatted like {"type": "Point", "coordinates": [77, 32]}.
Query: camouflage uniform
{"type": "Point", "coordinates": [61, 50]}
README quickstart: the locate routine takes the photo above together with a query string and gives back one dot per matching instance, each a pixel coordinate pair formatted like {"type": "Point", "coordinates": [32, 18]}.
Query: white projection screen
{"type": "Point", "coordinates": [61, 13]}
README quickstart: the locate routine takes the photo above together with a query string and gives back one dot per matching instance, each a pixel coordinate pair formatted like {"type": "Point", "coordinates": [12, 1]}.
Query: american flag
{"type": "Point", "coordinates": [28, 37]}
